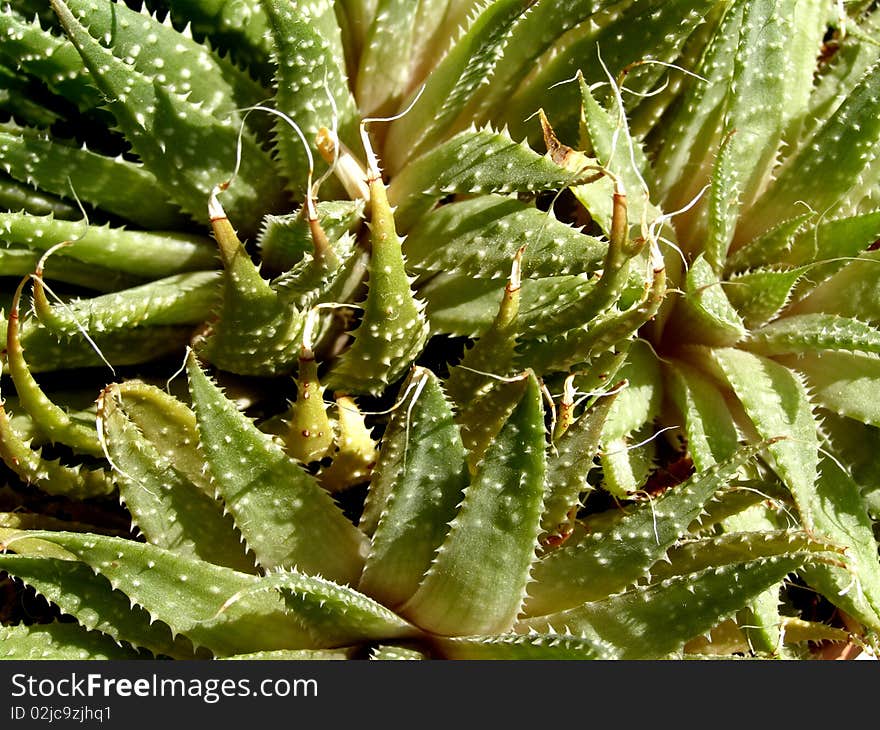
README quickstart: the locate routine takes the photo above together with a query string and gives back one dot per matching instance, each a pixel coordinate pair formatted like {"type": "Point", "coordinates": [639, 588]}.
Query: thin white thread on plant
{"type": "Point", "coordinates": [820, 217]}
{"type": "Point", "coordinates": [749, 637]}
{"type": "Point", "coordinates": [647, 94]}
{"type": "Point", "coordinates": [821, 450]}
{"type": "Point", "coordinates": [598, 393]}
{"type": "Point", "coordinates": [386, 412]}
{"type": "Point", "coordinates": [85, 216]}
{"type": "Point", "coordinates": [621, 120]}
{"type": "Point", "coordinates": [777, 503]}
{"type": "Point", "coordinates": [639, 94]}
{"type": "Point", "coordinates": [665, 64]}
{"type": "Point", "coordinates": [372, 161]}
{"type": "Point", "coordinates": [102, 439]}
{"type": "Point", "coordinates": [493, 376]}
{"type": "Point", "coordinates": [631, 447]}
{"type": "Point", "coordinates": [653, 230]}
{"type": "Point", "coordinates": [337, 305]}
{"type": "Point", "coordinates": [661, 219]}
{"type": "Point", "coordinates": [179, 370]}
{"type": "Point", "coordinates": [287, 120]}
{"type": "Point", "coordinates": [77, 324]}
{"type": "Point", "coordinates": [41, 265]}
{"type": "Point", "coordinates": [561, 83]}
{"type": "Point", "coordinates": [650, 231]}
{"type": "Point", "coordinates": [621, 125]}
{"type": "Point", "coordinates": [651, 344]}
{"type": "Point", "coordinates": [653, 513]}
{"type": "Point", "coordinates": [420, 386]}
{"type": "Point", "coordinates": [674, 246]}
{"type": "Point", "coordinates": [238, 145]}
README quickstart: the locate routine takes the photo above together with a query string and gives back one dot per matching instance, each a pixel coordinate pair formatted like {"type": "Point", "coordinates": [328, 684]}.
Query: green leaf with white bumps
{"type": "Point", "coordinates": [533, 33]}
{"type": "Point", "coordinates": [856, 589]}
{"type": "Point", "coordinates": [180, 299]}
{"type": "Point", "coordinates": [120, 346]}
{"type": "Point", "coordinates": [21, 197]}
{"type": "Point", "coordinates": [850, 292]}
{"type": "Point", "coordinates": [204, 149]}
{"type": "Point", "coordinates": [776, 401]}
{"type": "Point", "coordinates": [842, 382]}
{"type": "Point", "coordinates": [79, 592]}
{"type": "Point", "coordinates": [115, 184]}
{"type": "Point", "coordinates": [685, 606]}
{"type": "Point", "coordinates": [393, 329]}
{"type": "Point", "coordinates": [759, 95]}
{"type": "Point", "coordinates": [605, 563]}
{"type": "Point", "coordinates": [476, 583]}
{"type": "Point", "coordinates": [460, 72]}
{"type": "Point", "coordinates": [284, 240]}
{"type": "Point", "coordinates": [534, 646]}
{"type": "Point", "coordinates": [257, 330]}
{"type": "Point", "coordinates": [49, 475]}
{"type": "Point", "coordinates": [684, 143]}
{"type": "Point", "coordinates": [813, 332]}
{"type": "Point", "coordinates": [706, 310]}
{"type": "Point", "coordinates": [304, 50]}
{"type": "Point", "coordinates": [286, 519]}
{"type": "Point", "coordinates": [168, 424]}
{"type": "Point", "coordinates": [183, 65]}
{"type": "Point", "coordinates": [480, 237]}
{"type": "Point", "coordinates": [58, 641]}
{"type": "Point", "coordinates": [624, 34]}
{"type": "Point", "coordinates": [609, 139]}
{"type": "Point", "coordinates": [415, 490]}
{"type": "Point", "coordinates": [569, 464]}
{"type": "Point", "coordinates": [708, 423]}
{"type": "Point", "coordinates": [826, 173]}
{"type": "Point", "coordinates": [49, 58]}
{"type": "Point", "coordinates": [52, 420]}
{"type": "Point", "coordinates": [138, 253]}
{"type": "Point", "coordinates": [760, 295]}
{"type": "Point", "coordinates": [708, 237]}
{"type": "Point", "coordinates": [473, 161]}
{"type": "Point", "coordinates": [190, 596]}
{"type": "Point", "coordinates": [461, 305]}
{"type": "Point", "coordinates": [477, 384]}
{"type": "Point", "coordinates": [384, 66]}
{"type": "Point", "coordinates": [21, 262]}
{"type": "Point", "coordinates": [775, 243]}
{"type": "Point", "coordinates": [335, 615]}
{"type": "Point", "coordinates": [166, 507]}
{"type": "Point", "coordinates": [239, 26]}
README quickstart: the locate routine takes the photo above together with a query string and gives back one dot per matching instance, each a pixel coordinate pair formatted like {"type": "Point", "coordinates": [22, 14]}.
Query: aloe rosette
{"type": "Point", "coordinates": [651, 222]}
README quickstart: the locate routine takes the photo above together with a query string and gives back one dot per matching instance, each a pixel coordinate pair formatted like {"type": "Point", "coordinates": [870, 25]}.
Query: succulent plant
{"type": "Point", "coordinates": [590, 284]}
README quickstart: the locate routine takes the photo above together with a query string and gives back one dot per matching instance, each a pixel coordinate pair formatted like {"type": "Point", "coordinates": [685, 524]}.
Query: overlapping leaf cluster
{"type": "Point", "coordinates": [661, 421]}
